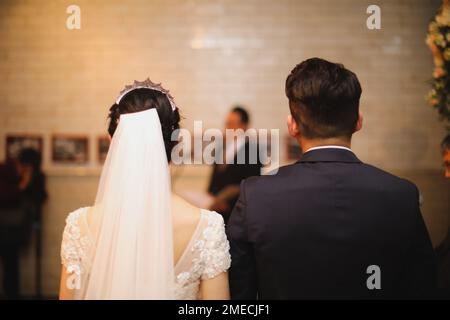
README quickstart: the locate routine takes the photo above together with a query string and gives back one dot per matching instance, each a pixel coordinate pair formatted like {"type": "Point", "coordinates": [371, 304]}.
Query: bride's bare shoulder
{"type": "Point", "coordinates": [185, 219]}
{"type": "Point", "coordinates": [184, 211]}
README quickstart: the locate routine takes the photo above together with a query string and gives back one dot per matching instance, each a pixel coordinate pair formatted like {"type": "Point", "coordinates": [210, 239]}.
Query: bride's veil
{"type": "Point", "coordinates": [131, 222]}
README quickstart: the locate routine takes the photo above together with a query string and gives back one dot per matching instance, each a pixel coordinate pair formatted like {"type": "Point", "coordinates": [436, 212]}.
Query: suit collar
{"type": "Point", "coordinates": [329, 155]}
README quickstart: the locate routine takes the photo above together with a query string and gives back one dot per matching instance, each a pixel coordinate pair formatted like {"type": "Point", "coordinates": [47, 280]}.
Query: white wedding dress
{"type": "Point", "coordinates": [205, 257]}
{"type": "Point", "coordinates": [125, 249]}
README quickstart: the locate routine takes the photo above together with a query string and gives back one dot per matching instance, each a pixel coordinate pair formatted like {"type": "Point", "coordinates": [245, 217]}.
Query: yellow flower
{"type": "Point", "coordinates": [431, 93]}
{"type": "Point", "coordinates": [440, 40]}
{"type": "Point", "coordinates": [433, 27]}
{"type": "Point", "coordinates": [442, 20]}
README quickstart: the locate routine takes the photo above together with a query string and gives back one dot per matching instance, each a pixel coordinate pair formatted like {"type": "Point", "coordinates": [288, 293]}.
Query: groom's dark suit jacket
{"type": "Point", "coordinates": [313, 229]}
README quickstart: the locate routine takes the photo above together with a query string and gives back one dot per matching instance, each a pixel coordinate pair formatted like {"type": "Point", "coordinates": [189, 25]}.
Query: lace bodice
{"type": "Point", "coordinates": [205, 257]}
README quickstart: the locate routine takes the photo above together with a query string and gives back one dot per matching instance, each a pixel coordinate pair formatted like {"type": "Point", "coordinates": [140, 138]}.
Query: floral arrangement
{"type": "Point", "coordinates": [438, 39]}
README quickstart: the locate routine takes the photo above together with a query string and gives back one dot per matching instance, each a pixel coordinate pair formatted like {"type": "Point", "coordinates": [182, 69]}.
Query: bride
{"type": "Point", "coordinates": [138, 241]}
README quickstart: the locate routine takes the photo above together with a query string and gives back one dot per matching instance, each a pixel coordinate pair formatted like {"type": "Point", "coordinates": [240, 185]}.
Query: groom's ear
{"type": "Point", "coordinates": [359, 123]}
{"type": "Point", "coordinates": [292, 126]}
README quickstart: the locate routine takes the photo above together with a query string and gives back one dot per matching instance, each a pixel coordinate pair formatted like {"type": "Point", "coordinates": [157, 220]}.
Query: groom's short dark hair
{"type": "Point", "coordinates": [323, 98]}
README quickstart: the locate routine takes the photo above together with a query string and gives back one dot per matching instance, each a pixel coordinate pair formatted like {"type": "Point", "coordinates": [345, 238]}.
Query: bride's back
{"type": "Point", "coordinates": [186, 218]}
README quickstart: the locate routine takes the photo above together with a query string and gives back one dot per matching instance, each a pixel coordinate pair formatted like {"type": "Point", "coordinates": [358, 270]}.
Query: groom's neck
{"type": "Point", "coordinates": [306, 144]}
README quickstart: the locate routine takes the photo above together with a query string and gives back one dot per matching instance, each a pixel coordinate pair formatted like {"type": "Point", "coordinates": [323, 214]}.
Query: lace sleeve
{"type": "Point", "coordinates": [216, 253]}
{"type": "Point", "coordinates": [74, 244]}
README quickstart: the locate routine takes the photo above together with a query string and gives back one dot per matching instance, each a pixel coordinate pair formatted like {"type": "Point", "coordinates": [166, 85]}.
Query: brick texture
{"type": "Point", "coordinates": [213, 54]}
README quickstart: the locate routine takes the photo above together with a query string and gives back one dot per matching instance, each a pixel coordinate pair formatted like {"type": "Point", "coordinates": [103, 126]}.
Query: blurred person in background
{"type": "Point", "coordinates": [445, 149]}
{"type": "Point", "coordinates": [12, 220]}
{"type": "Point", "coordinates": [443, 250]}
{"type": "Point", "coordinates": [34, 194]}
{"type": "Point", "coordinates": [22, 194]}
{"type": "Point", "coordinates": [32, 179]}
{"type": "Point", "coordinates": [226, 178]}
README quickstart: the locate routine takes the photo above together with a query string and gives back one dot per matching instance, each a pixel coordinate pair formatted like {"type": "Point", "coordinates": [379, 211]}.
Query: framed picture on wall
{"type": "Point", "coordinates": [103, 143]}
{"type": "Point", "coordinates": [293, 149]}
{"type": "Point", "coordinates": [70, 149]}
{"type": "Point", "coordinates": [17, 142]}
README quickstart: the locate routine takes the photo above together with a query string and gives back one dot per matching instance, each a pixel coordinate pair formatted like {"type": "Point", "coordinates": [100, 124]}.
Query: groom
{"type": "Point", "coordinates": [328, 226]}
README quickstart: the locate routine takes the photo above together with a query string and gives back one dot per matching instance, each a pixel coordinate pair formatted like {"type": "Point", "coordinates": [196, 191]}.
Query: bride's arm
{"type": "Point", "coordinates": [71, 256]}
{"type": "Point", "coordinates": [215, 288]}
{"type": "Point", "coordinates": [64, 292]}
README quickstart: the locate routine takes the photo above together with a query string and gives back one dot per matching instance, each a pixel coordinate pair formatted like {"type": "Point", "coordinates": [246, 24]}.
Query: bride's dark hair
{"type": "Point", "coordinates": [144, 99]}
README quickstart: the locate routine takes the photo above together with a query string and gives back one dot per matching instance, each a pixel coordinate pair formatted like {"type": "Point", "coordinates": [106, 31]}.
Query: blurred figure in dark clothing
{"type": "Point", "coordinates": [443, 250]}
{"type": "Point", "coordinates": [9, 186]}
{"type": "Point", "coordinates": [12, 219]}
{"type": "Point", "coordinates": [22, 194]}
{"type": "Point", "coordinates": [32, 182]}
{"type": "Point", "coordinates": [226, 178]}
{"type": "Point", "coordinates": [34, 194]}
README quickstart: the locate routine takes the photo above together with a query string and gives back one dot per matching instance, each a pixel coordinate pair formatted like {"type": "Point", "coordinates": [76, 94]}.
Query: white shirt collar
{"type": "Point", "coordinates": [328, 147]}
